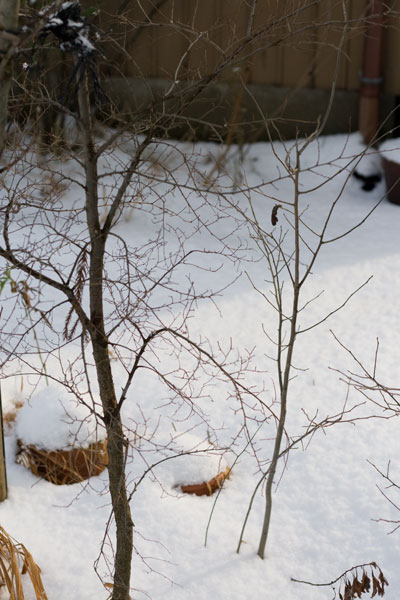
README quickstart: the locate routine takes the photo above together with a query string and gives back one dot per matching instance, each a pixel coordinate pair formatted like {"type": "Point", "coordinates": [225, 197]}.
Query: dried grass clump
{"type": "Point", "coordinates": [206, 488]}
{"type": "Point", "coordinates": [10, 416]}
{"type": "Point", "coordinates": [64, 467]}
{"type": "Point", "coordinates": [15, 561]}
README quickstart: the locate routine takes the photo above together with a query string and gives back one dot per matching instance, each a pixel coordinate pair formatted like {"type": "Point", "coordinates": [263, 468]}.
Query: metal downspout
{"type": "Point", "coordinates": [371, 76]}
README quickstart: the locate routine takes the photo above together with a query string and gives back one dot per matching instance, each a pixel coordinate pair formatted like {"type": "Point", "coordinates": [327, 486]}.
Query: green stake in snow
{"type": "Point", "coordinates": [3, 474]}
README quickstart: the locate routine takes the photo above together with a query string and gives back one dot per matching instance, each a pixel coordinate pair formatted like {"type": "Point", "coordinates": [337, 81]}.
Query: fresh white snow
{"type": "Point", "coordinates": [53, 420]}
{"type": "Point", "coordinates": [326, 506]}
{"type": "Point", "coordinates": [390, 149]}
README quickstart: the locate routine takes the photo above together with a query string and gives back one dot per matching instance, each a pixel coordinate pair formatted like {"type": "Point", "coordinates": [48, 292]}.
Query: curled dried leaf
{"type": "Point", "coordinates": [348, 591]}
{"type": "Point", "coordinates": [365, 582]}
{"type": "Point", "coordinates": [376, 587]}
{"type": "Point", "coordinates": [356, 588]}
{"type": "Point", "coordinates": [274, 214]}
{"type": "Point", "coordinates": [382, 579]}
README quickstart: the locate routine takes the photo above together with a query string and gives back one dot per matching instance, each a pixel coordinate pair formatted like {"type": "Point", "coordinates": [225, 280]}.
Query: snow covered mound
{"type": "Point", "coordinates": [390, 149]}
{"type": "Point", "coordinates": [200, 461]}
{"type": "Point", "coordinates": [197, 468]}
{"type": "Point", "coordinates": [367, 159]}
{"type": "Point", "coordinates": [54, 420]}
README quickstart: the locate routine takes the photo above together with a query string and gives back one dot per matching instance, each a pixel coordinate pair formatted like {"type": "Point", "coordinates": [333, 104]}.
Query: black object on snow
{"type": "Point", "coordinates": [369, 181]}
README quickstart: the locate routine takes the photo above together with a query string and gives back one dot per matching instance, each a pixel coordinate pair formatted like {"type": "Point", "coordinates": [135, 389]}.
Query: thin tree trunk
{"type": "Point", "coordinates": [116, 460]}
{"type": "Point", "coordinates": [9, 10]}
{"type": "Point", "coordinates": [112, 418]}
{"type": "Point", "coordinates": [284, 376]}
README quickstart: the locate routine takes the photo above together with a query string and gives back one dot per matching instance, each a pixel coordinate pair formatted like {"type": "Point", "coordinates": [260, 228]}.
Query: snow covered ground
{"type": "Point", "coordinates": [327, 502]}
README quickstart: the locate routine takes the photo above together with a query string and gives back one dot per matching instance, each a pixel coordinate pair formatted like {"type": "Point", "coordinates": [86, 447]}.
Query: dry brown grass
{"type": "Point", "coordinates": [10, 416]}
{"type": "Point", "coordinates": [15, 561]}
{"type": "Point", "coordinates": [64, 467]}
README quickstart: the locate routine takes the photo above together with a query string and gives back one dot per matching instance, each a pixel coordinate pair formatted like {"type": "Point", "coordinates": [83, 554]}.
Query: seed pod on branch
{"type": "Point", "coordinates": [274, 214]}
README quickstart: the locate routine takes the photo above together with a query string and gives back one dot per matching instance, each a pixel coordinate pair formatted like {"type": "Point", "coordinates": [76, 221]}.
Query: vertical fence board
{"type": "Point", "coordinates": [300, 50]}
{"type": "Point", "coordinates": [391, 51]}
{"type": "Point", "coordinates": [170, 41]}
{"type": "Point", "coordinates": [204, 20]}
{"type": "Point", "coordinates": [356, 45]}
{"type": "Point", "coordinates": [328, 36]}
{"type": "Point", "coordinates": [234, 19]}
{"type": "Point", "coordinates": [268, 63]}
{"type": "Point", "coordinates": [129, 30]}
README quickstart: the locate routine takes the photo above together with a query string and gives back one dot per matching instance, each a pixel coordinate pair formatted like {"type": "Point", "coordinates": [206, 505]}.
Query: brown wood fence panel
{"type": "Point", "coordinates": [186, 38]}
{"type": "Point", "coordinates": [204, 20]}
{"type": "Point", "coordinates": [327, 48]}
{"type": "Point", "coordinates": [268, 63]}
{"type": "Point", "coordinates": [391, 54]}
{"type": "Point", "coordinates": [355, 46]}
{"type": "Point", "coordinates": [168, 45]}
{"type": "Point", "coordinates": [298, 60]}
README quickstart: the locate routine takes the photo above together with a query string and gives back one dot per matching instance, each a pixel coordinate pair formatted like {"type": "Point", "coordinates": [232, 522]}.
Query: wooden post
{"type": "Point", "coordinates": [371, 78]}
{"type": "Point", "coordinates": [3, 473]}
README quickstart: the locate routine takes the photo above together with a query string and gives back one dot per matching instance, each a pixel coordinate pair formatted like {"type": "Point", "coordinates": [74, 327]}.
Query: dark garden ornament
{"type": "Point", "coordinates": [72, 31]}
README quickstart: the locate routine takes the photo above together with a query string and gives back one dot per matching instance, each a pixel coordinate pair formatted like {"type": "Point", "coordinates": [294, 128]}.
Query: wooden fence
{"type": "Point", "coordinates": [183, 38]}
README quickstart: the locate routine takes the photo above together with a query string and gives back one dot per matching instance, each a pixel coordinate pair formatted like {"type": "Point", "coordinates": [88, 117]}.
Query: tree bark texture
{"type": "Point", "coordinates": [116, 443]}
{"type": "Point", "coordinates": [112, 418]}
{"type": "Point", "coordinates": [9, 10]}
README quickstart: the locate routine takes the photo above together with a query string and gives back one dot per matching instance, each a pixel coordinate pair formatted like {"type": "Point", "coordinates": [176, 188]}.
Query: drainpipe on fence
{"type": "Point", "coordinates": [371, 76]}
